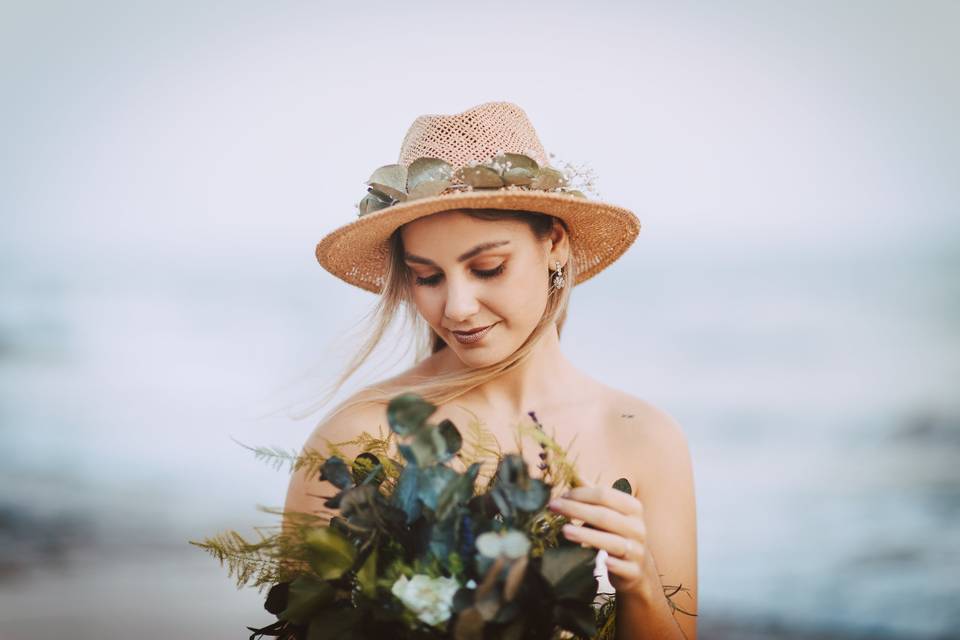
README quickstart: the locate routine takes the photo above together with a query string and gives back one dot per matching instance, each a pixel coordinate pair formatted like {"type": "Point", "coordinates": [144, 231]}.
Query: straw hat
{"type": "Point", "coordinates": [488, 156]}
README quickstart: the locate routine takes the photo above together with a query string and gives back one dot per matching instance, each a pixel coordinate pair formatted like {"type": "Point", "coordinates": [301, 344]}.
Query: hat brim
{"type": "Point", "coordinates": [600, 232]}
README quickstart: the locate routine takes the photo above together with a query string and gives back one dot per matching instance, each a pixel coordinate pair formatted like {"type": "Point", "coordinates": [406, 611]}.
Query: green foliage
{"type": "Point", "coordinates": [422, 517]}
{"type": "Point", "coordinates": [425, 177]}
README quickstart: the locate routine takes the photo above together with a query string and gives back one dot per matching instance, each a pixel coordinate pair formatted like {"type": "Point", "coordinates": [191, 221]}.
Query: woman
{"type": "Point", "coordinates": [488, 267]}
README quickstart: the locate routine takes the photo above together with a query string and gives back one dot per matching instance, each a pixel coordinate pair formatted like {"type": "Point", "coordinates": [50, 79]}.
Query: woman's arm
{"type": "Point", "coordinates": [666, 490]}
{"type": "Point", "coordinates": [651, 539]}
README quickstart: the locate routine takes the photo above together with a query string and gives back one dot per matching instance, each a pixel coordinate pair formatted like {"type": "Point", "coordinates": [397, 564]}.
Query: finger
{"type": "Point", "coordinates": [601, 517]}
{"type": "Point", "coordinates": [608, 496]}
{"type": "Point", "coordinates": [622, 568]}
{"type": "Point", "coordinates": [612, 543]}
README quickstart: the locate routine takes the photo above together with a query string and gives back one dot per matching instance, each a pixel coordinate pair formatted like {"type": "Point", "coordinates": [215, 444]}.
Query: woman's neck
{"type": "Point", "coordinates": [544, 379]}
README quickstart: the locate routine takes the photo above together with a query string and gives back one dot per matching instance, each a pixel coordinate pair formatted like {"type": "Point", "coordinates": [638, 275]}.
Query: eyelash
{"type": "Point", "coordinates": [433, 280]}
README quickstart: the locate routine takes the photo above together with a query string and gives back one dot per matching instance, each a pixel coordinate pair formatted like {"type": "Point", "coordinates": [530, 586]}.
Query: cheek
{"type": "Point", "coordinates": [428, 303]}
{"type": "Point", "coordinates": [522, 298]}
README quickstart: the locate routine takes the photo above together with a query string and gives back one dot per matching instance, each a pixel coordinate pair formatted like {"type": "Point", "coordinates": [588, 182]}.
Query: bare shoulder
{"type": "Point", "coordinates": [648, 438]}
{"type": "Point", "coordinates": [307, 493]}
{"type": "Point", "coordinates": [640, 421]}
{"type": "Point", "coordinates": [361, 416]}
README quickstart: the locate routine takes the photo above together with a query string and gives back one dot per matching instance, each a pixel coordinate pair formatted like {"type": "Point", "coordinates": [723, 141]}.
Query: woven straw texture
{"type": "Point", "coordinates": [475, 135]}
{"type": "Point", "coordinates": [600, 232]}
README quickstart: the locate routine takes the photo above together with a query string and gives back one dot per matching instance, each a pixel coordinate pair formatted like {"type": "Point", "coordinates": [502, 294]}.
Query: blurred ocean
{"type": "Point", "coordinates": [818, 395]}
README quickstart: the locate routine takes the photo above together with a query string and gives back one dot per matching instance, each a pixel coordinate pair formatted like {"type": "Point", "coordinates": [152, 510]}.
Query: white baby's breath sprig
{"type": "Point", "coordinates": [581, 176]}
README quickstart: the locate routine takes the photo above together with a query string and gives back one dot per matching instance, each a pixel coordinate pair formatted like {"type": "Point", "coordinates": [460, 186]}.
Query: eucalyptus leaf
{"type": "Point", "coordinates": [427, 447]}
{"type": "Point", "coordinates": [308, 595]}
{"type": "Point", "coordinates": [548, 179]}
{"type": "Point", "coordinates": [480, 177]}
{"type": "Point", "coordinates": [408, 454]}
{"type": "Point", "coordinates": [503, 503]}
{"type": "Point", "coordinates": [622, 484]}
{"type": "Point", "coordinates": [443, 540]}
{"type": "Point", "coordinates": [514, 489]}
{"type": "Point", "coordinates": [334, 624]}
{"type": "Point", "coordinates": [335, 471]}
{"type": "Point", "coordinates": [519, 177]}
{"type": "Point", "coordinates": [531, 497]}
{"type": "Point", "coordinates": [277, 598]}
{"type": "Point", "coordinates": [577, 617]}
{"type": "Point", "coordinates": [405, 494]}
{"type": "Point", "coordinates": [505, 161]}
{"type": "Point", "coordinates": [331, 554]}
{"type": "Point", "coordinates": [452, 439]}
{"type": "Point", "coordinates": [433, 480]}
{"type": "Point", "coordinates": [518, 169]}
{"type": "Point", "coordinates": [391, 180]}
{"type": "Point", "coordinates": [429, 188]}
{"type": "Point", "coordinates": [428, 177]}
{"type": "Point", "coordinates": [372, 202]}
{"type": "Point", "coordinates": [569, 571]}
{"type": "Point", "coordinates": [407, 413]}
{"type": "Point", "coordinates": [457, 492]}
{"type": "Point", "coordinates": [366, 509]}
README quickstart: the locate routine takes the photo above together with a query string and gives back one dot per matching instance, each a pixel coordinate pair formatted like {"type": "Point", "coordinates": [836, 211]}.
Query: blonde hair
{"type": "Point", "coordinates": [396, 295]}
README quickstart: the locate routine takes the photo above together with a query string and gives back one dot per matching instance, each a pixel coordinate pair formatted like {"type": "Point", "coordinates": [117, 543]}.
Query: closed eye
{"type": "Point", "coordinates": [434, 280]}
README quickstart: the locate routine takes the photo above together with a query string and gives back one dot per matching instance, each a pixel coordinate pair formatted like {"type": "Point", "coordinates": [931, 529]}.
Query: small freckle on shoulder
{"type": "Point", "coordinates": [626, 415]}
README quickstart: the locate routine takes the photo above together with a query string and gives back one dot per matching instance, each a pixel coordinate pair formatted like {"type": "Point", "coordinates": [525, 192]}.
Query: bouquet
{"type": "Point", "coordinates": [421, 549]}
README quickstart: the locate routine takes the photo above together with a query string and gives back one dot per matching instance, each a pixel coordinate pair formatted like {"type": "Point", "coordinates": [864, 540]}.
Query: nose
{"type": "Point", "coordinates": [461, 303]}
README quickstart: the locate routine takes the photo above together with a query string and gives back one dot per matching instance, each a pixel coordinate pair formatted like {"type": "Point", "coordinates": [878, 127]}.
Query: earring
{"type": "Point", "coordinates": [558, 276]}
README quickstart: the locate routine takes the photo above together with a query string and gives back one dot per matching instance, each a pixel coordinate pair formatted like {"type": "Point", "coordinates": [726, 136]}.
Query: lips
{"type": "Point", "coordinates": [472, 331]}
{"type": "Point", "coordinates": [473, 336]}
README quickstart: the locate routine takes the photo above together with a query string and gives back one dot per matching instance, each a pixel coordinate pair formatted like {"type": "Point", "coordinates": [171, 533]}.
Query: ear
{"type": "Point", "coordinates": [558, 245]}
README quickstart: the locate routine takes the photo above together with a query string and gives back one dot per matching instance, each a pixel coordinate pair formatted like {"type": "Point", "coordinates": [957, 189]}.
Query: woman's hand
{"type": "Point", "coordinates": [618, 528]}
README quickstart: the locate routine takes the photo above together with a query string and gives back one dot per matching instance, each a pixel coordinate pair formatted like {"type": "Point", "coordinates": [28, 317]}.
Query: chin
{"type": "Point", "coordinates": [475, 358]}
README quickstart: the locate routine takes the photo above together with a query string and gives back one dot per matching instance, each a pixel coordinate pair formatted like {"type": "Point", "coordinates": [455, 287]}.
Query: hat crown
{"type": "Point", "coordinates": [473, 136]}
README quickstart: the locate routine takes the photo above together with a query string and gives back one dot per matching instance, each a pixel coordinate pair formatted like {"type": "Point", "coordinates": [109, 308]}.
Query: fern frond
{"type": "Point", "coordinates": [480, 445]}
{"type": "Point", "coordinates": [246, 561]}
{"type": "Point", "coordinates": [309, 459]}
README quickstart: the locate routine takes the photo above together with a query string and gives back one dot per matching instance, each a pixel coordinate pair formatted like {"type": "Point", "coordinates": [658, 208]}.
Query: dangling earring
{"type": "Point", "coordinates": [558, 276]}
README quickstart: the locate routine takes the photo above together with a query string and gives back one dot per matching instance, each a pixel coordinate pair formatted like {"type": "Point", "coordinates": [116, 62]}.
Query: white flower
{"type": "Point", "coordinates": [430, 598]}
{"type": "Point", "coordinates": [511, 543]}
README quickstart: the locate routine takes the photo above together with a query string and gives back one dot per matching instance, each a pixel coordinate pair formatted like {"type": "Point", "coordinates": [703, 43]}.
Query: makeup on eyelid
{"type": "Point", "coordinates": [429, 281]}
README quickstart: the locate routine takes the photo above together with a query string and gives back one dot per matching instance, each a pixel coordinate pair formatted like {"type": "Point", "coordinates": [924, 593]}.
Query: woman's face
{"type": "Point", "coordinates": [468, 273]}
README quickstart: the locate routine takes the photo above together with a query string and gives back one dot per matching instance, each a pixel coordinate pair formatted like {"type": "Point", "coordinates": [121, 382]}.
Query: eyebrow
{"type": "Point", "coordinates": [480, 248]}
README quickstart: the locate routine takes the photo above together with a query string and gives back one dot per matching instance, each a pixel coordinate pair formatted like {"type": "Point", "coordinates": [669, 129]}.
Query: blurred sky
{"type": "Point", "coordinates": [793, 298]}
{"type": "Point", "coordinates": [816, 126]}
